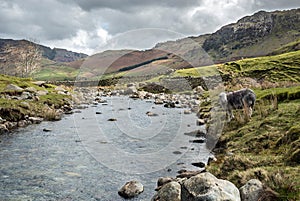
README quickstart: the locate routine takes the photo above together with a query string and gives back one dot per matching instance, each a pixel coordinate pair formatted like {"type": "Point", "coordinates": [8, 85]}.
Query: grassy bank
{"type": "Point", "coordinates": [13, 108]}
{"type": "Point", "coordinates": [267, 147]}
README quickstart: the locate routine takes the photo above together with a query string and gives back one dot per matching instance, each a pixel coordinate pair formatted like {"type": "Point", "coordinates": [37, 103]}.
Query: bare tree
{"type": "Point", "coordinates": [29, 58]}
{"type": "Point", "coordinates": [23, 59]}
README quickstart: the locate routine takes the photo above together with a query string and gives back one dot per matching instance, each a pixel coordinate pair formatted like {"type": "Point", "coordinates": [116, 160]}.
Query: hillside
{"type": "Point", "coordinates": [55, 54]}
{"type": "Point", "coordinates": [256, 35]}
{"type": "Point", "coordinates": [264, 33]}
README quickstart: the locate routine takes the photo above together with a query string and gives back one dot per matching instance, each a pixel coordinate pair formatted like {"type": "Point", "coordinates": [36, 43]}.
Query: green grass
{"type": "Point", "coordinates": [15, 110]}
{"type": "Point", "coordinates": [56, 73]}
{"type": "Point", "coordinates": [197, 72]}
{"type": "Point", "coordinates": [293, 46]}
{"type": "Point", "coordinates": [278, 68]}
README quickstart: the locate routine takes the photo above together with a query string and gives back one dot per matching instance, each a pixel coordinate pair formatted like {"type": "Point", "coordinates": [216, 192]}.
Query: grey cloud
{"type": "Point", "coordinates": [50, 20]}
{"type": "Point", "coordinates": [273, 5]}
{"type": "Point", "coordinates": [130, 5]}
{"type": "Point", "coordinates": [61, 21]}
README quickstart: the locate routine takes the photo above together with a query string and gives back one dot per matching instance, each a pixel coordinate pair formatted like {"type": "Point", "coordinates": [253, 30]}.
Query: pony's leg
{"type": "Point", "coordinates": [250, 112]}
{"type": "Point", "coordinates": [230, 115]}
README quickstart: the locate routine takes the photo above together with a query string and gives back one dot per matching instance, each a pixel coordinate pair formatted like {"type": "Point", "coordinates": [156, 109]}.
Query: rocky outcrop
{"type": "Point", "coordinates": [56, 54]}
{"type": "Point", "coordinates": [257, 31]}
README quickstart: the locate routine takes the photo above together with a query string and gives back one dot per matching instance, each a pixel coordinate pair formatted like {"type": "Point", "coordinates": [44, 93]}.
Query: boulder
{"type": "Point", "coordinates": [169, 105]}
{"type": "Point", "coordinates": [12, 87]}
{"type": "Point", "coordinates": [26, 95]}
{"type": "Point", "coordinates": [23, 123]}
{"type": "Point", "coordinates": [11, 125]}
{"type": "Point", "coordinates": [31, 89]}
{"type": "Point", "coordinates": [206, 186]}
{"type": "Point", "coordinates": [200, 122]}
{"type": "Point", "coordinates": [3, 129]}
{"type": "Point", "coordinates": [63, 92]}
{"type": "Point", "coordinates": [163, 180]}
{"type": "Point", "coordinates": [199, 89]}
{"type": "Point", "coordinates": [158, 101]}
{"type": "Point", "coordinates": [130, 90]}
{"type": "Point", "coordinates": [131, 85]}
{"type": "Point", "coordinates": [42, 93]}
{"type": "Point", "coordinates": [2, 120]}
{"type": "Point", "coordinates": [251, 190]}
{"type": "Point", "coordinates": [151, 114]}
{"type": "Point", "coordinates": [47, 130]}
{"type": "Point", "coordinates": [187, 112]}
{"type": "Point", "coordinates": [131, 189]}
{"type": "Point", "coordinates": [39, 83]}
{"type": "Point", "coordinates": [60, 88]}
{"type": "Point", "coordinates": [169, 191]}
{"type": "Point", "coordinates": [35, 120]}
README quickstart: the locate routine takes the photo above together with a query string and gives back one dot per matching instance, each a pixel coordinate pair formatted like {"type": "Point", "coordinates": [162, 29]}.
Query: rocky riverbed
{"type": "Point", "coordinates": [111, 138]}
{"type": "Point", "coordinates": [60, 160]}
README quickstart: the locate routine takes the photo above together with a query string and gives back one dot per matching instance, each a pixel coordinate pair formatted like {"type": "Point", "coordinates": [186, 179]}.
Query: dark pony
{"type": "Point", "coordinates": [241, 99]}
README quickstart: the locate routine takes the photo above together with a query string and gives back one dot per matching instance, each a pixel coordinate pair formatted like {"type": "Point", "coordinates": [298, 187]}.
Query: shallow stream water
{"type": "Point", "coordinates": [87, 157]}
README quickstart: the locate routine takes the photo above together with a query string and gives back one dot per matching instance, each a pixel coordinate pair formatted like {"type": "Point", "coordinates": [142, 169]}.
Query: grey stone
{"type": "Point", "coordinates": [199, 89]}
{"type": "Point", "coordinates": [2, 120]}
{"type": "Point", "coordinates": [39, 83]}
{"type": "Point", "coordinates": [169, 191]}
{"type": "Point", "coordinates": [25, 105]}
{"type": "Point", "coordinates": [158, 101]}
{"type": "Point", "coordinates": [200, 122]}
{"type": "Point", "coordinates": [42, 93]}
{"type": "Point", "coordinates": [206, 186]}
{"type": "Point", "coordinates": [23, 123]}
{"type": "Point", "coordinates": [131, 189]}
{"type": "Point", "coordinates": [59, 88]}
{"type": "Point", "coordinates": [35, 120]}
{"type": "Point", "coordinates": [26, 95]}
{"type": "Point", "coordinates": [163, 180]}
{"type": "Point", "coordinates": [187, 112]}
{"type": "Point", "coordinates": [130, 90]}
{"type": "Point", "coordinates": [151, 114]}
{"type": "Point", "coordinates": [251, 190]}
{"type": "Point", "coordinates": [131, 85]}
{"type": "Point", "coordinates": [31, 89]}
{"type": "Point", "coordinates": [3, 128]}
{"type": "Point", "coordinates": [11, 125]}
{"type": "Point", "coordinates": [12, 87]}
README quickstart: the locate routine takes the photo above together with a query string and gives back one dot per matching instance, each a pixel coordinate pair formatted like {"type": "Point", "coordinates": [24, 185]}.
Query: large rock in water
{"type": "Point", "coordinates": [169, 191]}
{"type": "Point", "coordinates": [131, 189]}
{"type": "Point", "coordinates": [206, 186]}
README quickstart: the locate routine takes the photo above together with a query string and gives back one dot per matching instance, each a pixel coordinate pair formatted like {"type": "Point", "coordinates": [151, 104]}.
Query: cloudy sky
{"type": "Point", "coordinates": [91, 26]}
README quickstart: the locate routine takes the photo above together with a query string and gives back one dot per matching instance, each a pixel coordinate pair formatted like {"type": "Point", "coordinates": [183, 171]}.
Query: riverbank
{"type": "Point", "coordinates": [24, 101]}
{"type": "Point", "coordinates": [266, 147]}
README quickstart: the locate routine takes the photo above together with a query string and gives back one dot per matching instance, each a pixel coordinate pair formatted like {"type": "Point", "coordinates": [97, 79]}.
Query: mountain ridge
{"type": "Point", "coordinates": [54, 54]}
{"type": "Point", "coordinates": [255, 35]}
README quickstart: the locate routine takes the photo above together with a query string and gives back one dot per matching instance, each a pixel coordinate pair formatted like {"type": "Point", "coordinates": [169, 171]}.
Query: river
{"type": "Point", "coordinates": [87, 157]}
